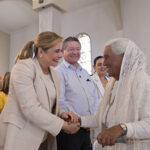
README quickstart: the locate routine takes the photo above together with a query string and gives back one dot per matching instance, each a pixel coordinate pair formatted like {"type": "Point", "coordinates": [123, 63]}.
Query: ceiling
{"type": "Point", "coordinates": [16, 14]}
{"type": "Point", "coordinates": [78, 4]}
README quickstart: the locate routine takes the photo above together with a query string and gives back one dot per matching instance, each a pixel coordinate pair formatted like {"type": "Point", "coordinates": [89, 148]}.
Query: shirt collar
{"type": "Point", "coordinates": [67, 65]}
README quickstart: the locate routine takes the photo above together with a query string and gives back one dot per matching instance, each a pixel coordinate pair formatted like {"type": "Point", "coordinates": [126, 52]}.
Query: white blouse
{"type": "Point", "coordinates": [52, 97]}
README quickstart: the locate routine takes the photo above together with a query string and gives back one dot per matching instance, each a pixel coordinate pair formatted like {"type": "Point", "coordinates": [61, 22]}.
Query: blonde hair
{"type": "Point", "coordinates": [44, 40]}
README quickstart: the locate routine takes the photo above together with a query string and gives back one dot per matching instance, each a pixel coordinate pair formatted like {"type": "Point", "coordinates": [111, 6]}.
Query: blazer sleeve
{"type": "Point", "coordinates": [60, 111]}
{"type": "Point", "coordinates": [23, 76]}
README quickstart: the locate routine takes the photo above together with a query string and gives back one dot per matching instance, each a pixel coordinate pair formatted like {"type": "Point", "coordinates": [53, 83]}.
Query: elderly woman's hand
{"type": "Point", "coordinates": [70, 117]}
{"type": "Point", "coordinates": [70, 128]}
{"type": "Point", "coordinates": [109, 136]}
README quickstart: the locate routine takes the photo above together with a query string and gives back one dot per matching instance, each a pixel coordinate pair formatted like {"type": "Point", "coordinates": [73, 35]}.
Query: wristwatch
{"type": "Point", "coordinates": [124, 128]}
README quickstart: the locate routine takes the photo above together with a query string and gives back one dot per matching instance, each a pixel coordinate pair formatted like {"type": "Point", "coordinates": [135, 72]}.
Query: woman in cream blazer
{"type": "Point", "coordinates": [30, 114]}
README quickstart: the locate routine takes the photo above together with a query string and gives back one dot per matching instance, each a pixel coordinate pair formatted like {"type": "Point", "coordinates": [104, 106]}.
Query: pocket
{"type": "Point", "coordinates": [13, 119]}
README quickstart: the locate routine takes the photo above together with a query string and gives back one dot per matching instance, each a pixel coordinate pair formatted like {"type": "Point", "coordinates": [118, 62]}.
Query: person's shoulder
{"type": "Point", "coordinates": [60, 67]}
{"type": "Point", "coordinates": [94, 75]}
{"type": "Point", "coordinates": [95, 78]}
{"type": "Point", "coordinates": [2, 94]}
{"type": "Point", "coordinates": [53, 70]}
{"type": "Point", "coordinates": [25, 62]}
{"type": "Point", "coordinates": [24, 65]}
{"type": "Point", "coordinates": [85, 73]}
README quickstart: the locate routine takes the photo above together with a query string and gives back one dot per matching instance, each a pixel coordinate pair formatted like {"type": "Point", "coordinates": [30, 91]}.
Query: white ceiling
{"type": "Point", "coordinates": [77, 4]}
{"type": "Point", "coordinates": [15, 14]}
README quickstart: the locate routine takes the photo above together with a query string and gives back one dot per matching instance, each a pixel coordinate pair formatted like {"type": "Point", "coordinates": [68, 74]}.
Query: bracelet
{"type": "Point", "coordinates": [124, 128]}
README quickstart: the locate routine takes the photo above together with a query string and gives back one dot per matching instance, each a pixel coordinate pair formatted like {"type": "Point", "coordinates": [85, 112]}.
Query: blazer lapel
{"type": "Point", "coordinates": [56, 84]}
{"type": "Point", "coordinates": [44, 81]}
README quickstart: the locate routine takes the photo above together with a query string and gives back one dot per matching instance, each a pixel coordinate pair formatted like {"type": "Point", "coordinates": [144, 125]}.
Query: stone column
{"type": "Point", "coordinates": [50, 14]}
{"type": "Point", "coordinates": [50, 19]}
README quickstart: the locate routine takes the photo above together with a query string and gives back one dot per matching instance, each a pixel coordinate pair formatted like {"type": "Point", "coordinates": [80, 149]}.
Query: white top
{"type": "Point", "coordinates": [52, 97]}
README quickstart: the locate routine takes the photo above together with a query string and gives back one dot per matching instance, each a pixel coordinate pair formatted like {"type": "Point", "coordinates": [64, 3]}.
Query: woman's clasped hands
{"type": "Point", "coordinates": [71, 122]}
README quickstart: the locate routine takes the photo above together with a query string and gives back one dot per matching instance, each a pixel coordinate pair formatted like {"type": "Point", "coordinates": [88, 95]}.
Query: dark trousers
{"type": "Point", "coordinates": [44, 145]}
{"type": "Point", "coordinates": [78, 141]}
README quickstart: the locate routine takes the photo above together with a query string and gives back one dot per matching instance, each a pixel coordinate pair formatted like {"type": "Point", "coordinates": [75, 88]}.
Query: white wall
{"type": "Point", "coordinates": [4, 52]}
{"type": "Point", "coordinates": [19, 38]}
{"type": "Point", "coordinates": [96, 20]}
{"type": "Point", "coordinates": [136, 23]}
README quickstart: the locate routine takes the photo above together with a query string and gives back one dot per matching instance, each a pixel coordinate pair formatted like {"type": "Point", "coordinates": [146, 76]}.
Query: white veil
{"type": "Point", "coordinates": [133, 63]}
{"type": "Point", "coordinates": [125, 106]}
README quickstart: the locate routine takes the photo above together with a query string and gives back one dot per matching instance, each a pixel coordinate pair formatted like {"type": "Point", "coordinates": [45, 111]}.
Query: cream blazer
{"type": "Point", "coordinates": [26, 116]}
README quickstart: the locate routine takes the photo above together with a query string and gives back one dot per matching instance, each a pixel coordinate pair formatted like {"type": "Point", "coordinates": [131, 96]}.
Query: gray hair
{"type": "Point", "coordinates": [70, 39]}
{"type": "Point", "coordinates": [118, 46]}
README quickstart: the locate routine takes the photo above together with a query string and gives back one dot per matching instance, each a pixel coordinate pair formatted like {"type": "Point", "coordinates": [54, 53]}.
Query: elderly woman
{"type": "Point", "coordinates": [31, 115]}
{"type": "Point", "coordinates": [124, 113]}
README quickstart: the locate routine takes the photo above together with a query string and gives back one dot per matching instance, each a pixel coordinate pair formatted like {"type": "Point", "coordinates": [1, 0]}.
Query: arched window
{"type": "Point", "coordinates": [85, 60]}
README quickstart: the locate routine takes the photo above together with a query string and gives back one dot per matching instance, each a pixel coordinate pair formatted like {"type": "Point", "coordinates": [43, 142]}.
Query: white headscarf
{"type": "Point", "coordinates": [126, 107]}
{"type": "Point", "coordinates": [133, 62]}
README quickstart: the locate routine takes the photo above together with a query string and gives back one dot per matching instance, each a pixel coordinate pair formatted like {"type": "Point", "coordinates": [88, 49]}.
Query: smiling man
{"type": "Point", "coordinates": [78, 94]}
